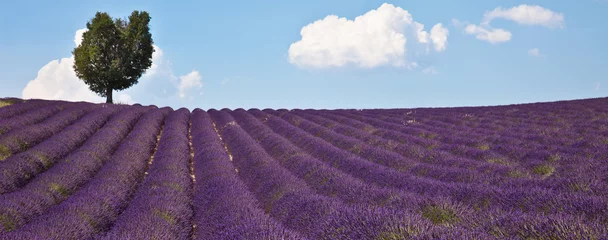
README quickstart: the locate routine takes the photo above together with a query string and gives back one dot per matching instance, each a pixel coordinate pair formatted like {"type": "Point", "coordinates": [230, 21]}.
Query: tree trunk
{"type": "Point", "coordinates": [109, 95]}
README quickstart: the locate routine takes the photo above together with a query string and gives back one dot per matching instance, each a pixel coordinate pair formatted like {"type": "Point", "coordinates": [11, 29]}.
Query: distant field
{"type": "Point", "coordinates": [81, 171]}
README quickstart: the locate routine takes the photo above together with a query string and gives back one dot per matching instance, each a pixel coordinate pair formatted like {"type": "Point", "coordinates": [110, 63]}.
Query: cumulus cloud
{"type": "Point", "coordinates": [527, 15]}
{"type": "Point", "coordinates": [597, 86]}
{"type": "Point", "coordinates": [188, 82]}
{"type": "Point", "coordinates": [439, 36]}
{"type": "Point", "coordinates": [57, 81]}
{"type": "Point", "coordinates": [78, 36]}
{"type": "Point", "coordinates": [491, 35]}
{"type": "Point", "coordinates": [376, 38]}
{"type": "Point", "coordinates": [531, 15]}
{"type": "Point", "coordinates": [534, 52]}
{"type": "Point", "coordinates": [421, 35]}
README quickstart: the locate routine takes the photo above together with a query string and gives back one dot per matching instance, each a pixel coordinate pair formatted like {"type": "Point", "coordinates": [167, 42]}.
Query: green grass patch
{"type": "Point", "coordinates": [430, 136]}
{"type": "Point", "coordinates": [357, 149]}
{"type": "Point", "coordinates": [370, 129]}
{"type": "Point", "coordinates": [44, 159]}
{"type": "Point", "coordinates": [56, 188]}
{"type": "Point", "coordinates": [7, 222]}
{"type": "Point", "coordinates": [297, 122]}
{"type": "Point", "coordinates": [516, 173]}
{"type": "Point", "coordinates": [544, 170]}
{"type": "Point", "coordinates": [4, 103]}
{"type": "Point", "coordinates": [165, 215]}
{"type": "Point", "coordinates": [398, 232]}
{"type": "Point", "coordinates": [4, 152]}
{"type": "Point", "coordinates": [554, 158]}
{"type": "Point", "coordinates": [483, 146]}
{"type": "Point", "coordinates": [579, 187]}
{"type": "Point", "coordinates": [390, 145]}
{"type": "Point", "coordinates": [173, 185]}
{"type": "Point", "coordinates": [500, 161]}
{"type": "Point", "coordinates": [439, 215]}
{"type": "Point", "coordinates": [390, 236]}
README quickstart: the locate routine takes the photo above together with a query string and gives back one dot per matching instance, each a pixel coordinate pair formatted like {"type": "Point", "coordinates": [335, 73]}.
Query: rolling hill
{"type": "Point", "coordinates": [78, 170]}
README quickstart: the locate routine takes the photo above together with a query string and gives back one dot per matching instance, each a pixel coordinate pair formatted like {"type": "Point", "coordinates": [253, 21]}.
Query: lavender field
{"type": "Point", "coordinates": [77, 170]}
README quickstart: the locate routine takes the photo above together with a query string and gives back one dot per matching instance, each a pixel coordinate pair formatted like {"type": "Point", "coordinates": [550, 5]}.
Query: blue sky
{"type": "Point", "coordinates": [239, 54]}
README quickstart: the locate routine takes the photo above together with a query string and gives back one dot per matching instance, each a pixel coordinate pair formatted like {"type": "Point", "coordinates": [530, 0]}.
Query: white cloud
{"type": "Point", "coordinates": [430, 71]}
{"type": "Point", "coordinates": [78, 36]}
{"type": "Point", "coordinates": [522, 14]}
{"type": "Point", "coordinates": [534, 52]}
{"type": "Point", "coordinates": [189, 82]}
{"type": "Point", "coordinates": [376, 38]}
{"type": "Point", "coordinates": [421, 35]}
{"type": "Point", "coordinates": [439, 36]}
{"type": "Point", "coordinates": [527, 15]}
{"type": "Point", "coordinates": [597, 86]}
{"type": "Point", "coordinates": [491, 35]}
{"type": "Point", "coordinates": [57, 81]}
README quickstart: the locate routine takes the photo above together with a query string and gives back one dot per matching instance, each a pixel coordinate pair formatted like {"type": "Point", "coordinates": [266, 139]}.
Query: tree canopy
{"type": "Point", "coordinates": [114, 53]}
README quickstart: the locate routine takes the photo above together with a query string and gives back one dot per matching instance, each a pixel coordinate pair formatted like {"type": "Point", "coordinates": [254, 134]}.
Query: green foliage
{"type": "Point", "coordinates": [7, 222]}
{"type": "Point", "coordinates": [579, 187]}
{"type": "Point", "coordinates": [439, 215]}
{"type": "Point", "coordinates": [4, 152]}
{"type": "Point", "coordinates": [56, 188]}
{"type": "Point", "coordinates": [516, 173]}
{"type": "Point", "coordinates": [554, 158]}
{"type": "Point", "coordinates": [483, 146]}
{"type": "Point", "coordinates": [114, 53]}
{"type": "Point", "coordinates": [4, 103]}
{"type": "Point", "coordinates": [501, 161]}
{"type": "Point", "coordinates": [165, 215]}
{"type": "Point", "coordinates": [545, 170]}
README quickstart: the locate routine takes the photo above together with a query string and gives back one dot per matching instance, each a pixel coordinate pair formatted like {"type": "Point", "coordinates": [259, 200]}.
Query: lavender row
{"type": "Point", "coordinates": [161, 207]}
{"type": "Point", "coordinates": [528, 199]}
{"type": "Point", "coordinates": [420, 154]}
{"type": "Point", "coordinates": [531, 134]}
{"type": "Point", "coordinates": [382, 156]}
{"type": "Point", "coordinates": [297, 206]}
{"type": "Point", "coordinates": [21, 167]}
{"type": "Point", "coordinates": [575, 119]}
{"type": "Point", "coordinates": [531, 151]}
{"type": "Point", "coordinates": [544, 229]}
{"type": "Point", "coordinates": [21, 139]}
{"type": "Point", "coordinates": [30, 117]}
{"type": "Point", "coordinates": [566, 162]}
{"type": "Point", "coordinates": [320, 176]}
{"type": "Point", "coordinates": [223, 206]}
{"type": "Point", "coordinates": [331, 182]}
{"type": "Point", "coordinates": [427, 139]}
{"type": "Point", "coordinates": [539, 162]}
{"type": "Point", "coordinates": [437, 156]}
{"type": "Point", "coordinates": [20, 106]}
{"type": "Point", "coordinates": [577, 135]}
{"type": "Point", "coordinates": [415, 146]}
{"type": "Point", "coordinates": [535, 157]}
{"type": "Point", "coordinates": [65, 177]}
{"type": "Point", "coordinates": [95, 206]}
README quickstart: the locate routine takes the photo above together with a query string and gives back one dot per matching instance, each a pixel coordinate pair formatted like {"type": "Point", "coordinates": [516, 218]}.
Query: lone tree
{"type": "Point", "coordinates": [114, 53]}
